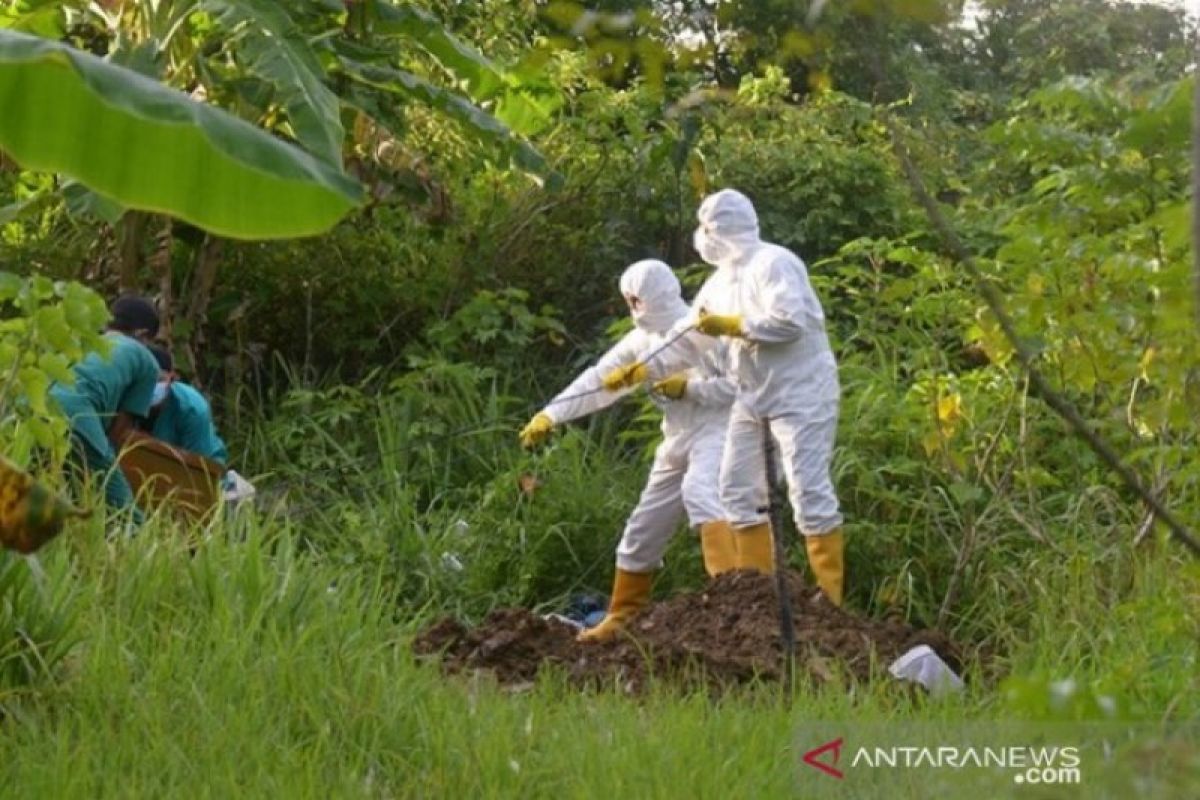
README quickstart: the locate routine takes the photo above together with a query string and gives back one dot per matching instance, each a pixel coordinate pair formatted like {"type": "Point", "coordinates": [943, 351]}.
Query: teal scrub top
{"type": "Point", "coordinates": [105, 386]}
{"type": "Point", "coordinates": [185, 421]}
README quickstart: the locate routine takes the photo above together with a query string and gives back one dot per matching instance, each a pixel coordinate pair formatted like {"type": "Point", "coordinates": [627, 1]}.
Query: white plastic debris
{"type": "Point", "coordinates": [237, 489]}
{"type": "Point", "coordinates": [565, 620]}
{"type": "Point", "coordinates": [924, 666]}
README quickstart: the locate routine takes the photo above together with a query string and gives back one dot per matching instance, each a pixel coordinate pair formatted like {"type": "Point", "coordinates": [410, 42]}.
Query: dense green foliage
{"type": "Point", "coordinates": [372, 380]}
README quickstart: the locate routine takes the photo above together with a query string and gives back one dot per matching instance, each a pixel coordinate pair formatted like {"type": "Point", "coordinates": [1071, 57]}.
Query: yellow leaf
{"type": "Point", "coordinates": [1145, 361]}
{"type": "Point", "coordinates": [949, 407]}
{"type": "Point", "coordinates": [697, 174]}
{"type": "Point", "coordinates": [820, 82]}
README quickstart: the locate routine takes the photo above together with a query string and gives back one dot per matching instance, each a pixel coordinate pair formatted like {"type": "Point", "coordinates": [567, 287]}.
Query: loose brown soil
{"type": "Point", "coordinates": [724, 635]}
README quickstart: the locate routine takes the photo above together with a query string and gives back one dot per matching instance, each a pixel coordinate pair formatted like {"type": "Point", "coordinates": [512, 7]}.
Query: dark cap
{"type": "Point", "coordinates": [132, 314]}
{"type": "Point", "coordinates": [163, 356]}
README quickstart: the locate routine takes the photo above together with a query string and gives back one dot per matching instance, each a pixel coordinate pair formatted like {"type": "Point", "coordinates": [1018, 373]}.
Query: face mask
{"type": "Point", "coordinates": [160, 393]}
{"type": "Point", "coordinates": [711, 250]}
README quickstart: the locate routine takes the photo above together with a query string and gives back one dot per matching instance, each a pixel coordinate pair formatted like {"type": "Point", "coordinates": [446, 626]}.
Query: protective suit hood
{"type": "Point", "coordinates": [652, 282]}
{"type": "Point", "coordinates": [728, 232]}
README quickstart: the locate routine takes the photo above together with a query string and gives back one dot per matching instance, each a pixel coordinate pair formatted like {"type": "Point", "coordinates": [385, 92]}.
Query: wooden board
{"type": "Point", "coordinates": [161, 475]}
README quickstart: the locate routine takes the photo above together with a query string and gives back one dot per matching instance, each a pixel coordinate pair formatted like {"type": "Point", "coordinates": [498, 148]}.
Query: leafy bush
{"type": "Point", "coordinates": [45, 327]}
{"type": "Point", "coordinates": [819, 174]}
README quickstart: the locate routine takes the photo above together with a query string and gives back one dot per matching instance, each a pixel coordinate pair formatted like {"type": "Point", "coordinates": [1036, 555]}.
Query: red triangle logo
{"type": "Point", "coordinates": [830, 768]}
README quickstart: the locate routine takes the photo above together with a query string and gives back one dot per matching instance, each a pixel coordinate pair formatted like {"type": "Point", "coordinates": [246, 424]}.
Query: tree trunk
{"type": "Point", "coordinates": [204, 279]}
{"type": "Point", "coordinates": [131, 229]}
{"type": "Point", "coordinates": [160, 265]}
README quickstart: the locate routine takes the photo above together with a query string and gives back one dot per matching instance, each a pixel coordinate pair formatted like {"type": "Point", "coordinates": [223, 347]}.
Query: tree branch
{"type": "Point", "coordinates": [1041, 387]}
{"type": "Point", "coordinates": [991, 296]}
{"type": "Point", "coordinates": [1196, 178]}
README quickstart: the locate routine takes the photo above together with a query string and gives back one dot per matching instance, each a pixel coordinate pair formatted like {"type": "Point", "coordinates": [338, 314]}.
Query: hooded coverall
{"type": "Point", "coordinates": [785, 369]}
{"type": "Point", "coordinates": [786, 378]}
{"type": "Point", "coordinates": [683, 479]}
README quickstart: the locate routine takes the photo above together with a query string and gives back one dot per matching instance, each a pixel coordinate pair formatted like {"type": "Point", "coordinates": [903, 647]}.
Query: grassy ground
{"type": "Point", "coordinates": [255, 669]}
{"type": "Point", "coordinates": [274, 660]}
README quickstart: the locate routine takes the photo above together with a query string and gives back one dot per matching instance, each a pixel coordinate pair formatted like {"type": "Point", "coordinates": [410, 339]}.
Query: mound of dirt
{"type": "Point", "coordinates": [723, 635]}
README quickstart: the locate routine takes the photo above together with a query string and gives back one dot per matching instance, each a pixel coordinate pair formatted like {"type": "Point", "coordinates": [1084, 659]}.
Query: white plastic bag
{"type": "Point", "coordinates": [924, 666]}
{"type": "Point", "coordinates": [237, 489]}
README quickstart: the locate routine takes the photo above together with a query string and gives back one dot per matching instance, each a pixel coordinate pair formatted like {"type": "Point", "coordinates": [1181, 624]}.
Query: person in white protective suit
{"type": "Point", "coordinates": [695, 405]}
{"type": "Point", "coordinates": [760, 300]}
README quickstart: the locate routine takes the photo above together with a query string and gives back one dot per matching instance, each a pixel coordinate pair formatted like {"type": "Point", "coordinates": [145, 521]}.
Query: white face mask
{"type": "Point", "coordinates": [711, 250]}
{"type": "Point", "coordinates": [657, 317]}
{"type": "Point", "coordinates": [160, 393]}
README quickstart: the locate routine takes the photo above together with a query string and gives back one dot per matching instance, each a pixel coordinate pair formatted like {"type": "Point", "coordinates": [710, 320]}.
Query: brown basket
{"type": "Point", "coordinates": [165, 477]}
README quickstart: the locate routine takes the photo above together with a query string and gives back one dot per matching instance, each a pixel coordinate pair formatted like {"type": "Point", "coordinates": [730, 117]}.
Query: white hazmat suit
{"type": "Point", "coordinates": [765, 308]}
{"type": "Point", "coordinates": [684, 477]}
{"type": "Point", "coordinates": [687, 462]}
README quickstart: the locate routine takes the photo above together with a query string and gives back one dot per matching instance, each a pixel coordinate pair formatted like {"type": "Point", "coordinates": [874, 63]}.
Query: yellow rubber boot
{"type": "Point", "coordinates": [756, 548]}
{"type": "Point", "coordinates": [631, 591]}
{"type": "Point", "coordinates": [718, 545]}
{"type": "Point", "coordinates": [827, 562]}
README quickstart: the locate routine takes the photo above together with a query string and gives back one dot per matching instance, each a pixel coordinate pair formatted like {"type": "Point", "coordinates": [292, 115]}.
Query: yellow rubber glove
{"type": "Point", "coordinates": [536, 431]}
{"type": "Point", "coordinates": [673, 387]}
{"type": "Point", "coordinates": [720, 324]}
{"type": "Point", "coordinates": [624, 377]}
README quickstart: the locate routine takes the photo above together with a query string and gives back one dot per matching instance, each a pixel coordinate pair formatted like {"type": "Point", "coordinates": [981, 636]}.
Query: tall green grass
{"type": "Point", "coordinates": [274, 660]}
{"type": "Point", "coordinates": [255, 668]}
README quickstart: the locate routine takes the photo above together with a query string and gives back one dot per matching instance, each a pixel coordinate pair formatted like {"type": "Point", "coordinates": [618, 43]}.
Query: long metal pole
{"type": "Point", "coordinates": [787, 630]}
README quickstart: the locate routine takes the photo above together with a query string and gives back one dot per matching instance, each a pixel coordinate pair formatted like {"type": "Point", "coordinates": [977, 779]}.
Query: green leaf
{"type": "Point", "coordinates": [44, 19]}
{"type": "Point", "coordinates": [152, 148]}
{"type": "Point", "coordinates": [527, 111]}
{"type": "Point", "coordinates": [14, 211]}
{"type": "Point", "coordinates": [34, 290]}
{"type": "Point", "coordinates": [83, 202]}
{"type": "Point", "coordinates": [1176, 223]}
{"type": "Point", "coordinates": [141, 58]}
{"type": "Point", "coordinates": [10, 286]}
{"type": "Point", "coordinates": [43, 432]}
{"type": "Point", "coordinates": [482, 78]}
{"type": "Point", "coordinates": [35, 384]}
{"type": "Point", "coordinates": [1167, 121]}
{"type": "Point", "coordinates": [275, 50]}
{"type": "Point", "coordinates": [481, 125]}
{"type": "Point", "coordinates": [51, 324]}
{"type": "Point", "coordinates": [57, 366]}
{"type": "Point", "coordinates": [85, 310]}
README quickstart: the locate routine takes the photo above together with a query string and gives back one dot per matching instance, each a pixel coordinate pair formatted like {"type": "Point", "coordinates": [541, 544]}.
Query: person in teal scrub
{"type": "Point", "coordinates": [179, 414]}
{"type": "Point", "coordinates": [110, 393]}
{"type": "Point", "coordinates": [181, 417]}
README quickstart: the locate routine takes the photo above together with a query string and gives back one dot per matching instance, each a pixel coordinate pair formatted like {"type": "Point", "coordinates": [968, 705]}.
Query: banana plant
{"type": "Point", "coordinates": [146, 146]}
{"type": "Point", "coordinates": [233, 115]}
{"type": "Point", "coordinates": [283, 67]}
